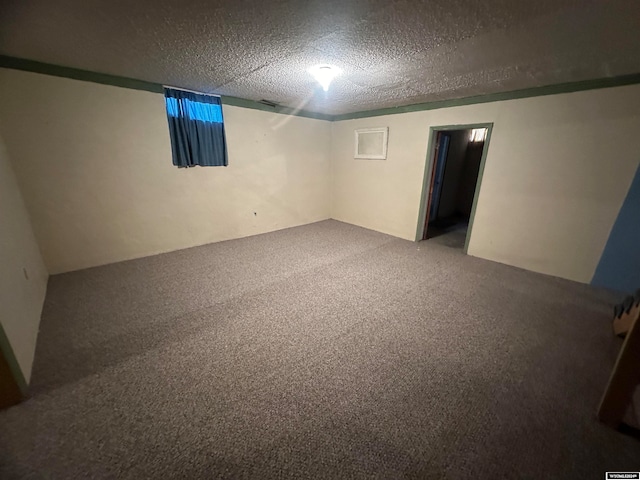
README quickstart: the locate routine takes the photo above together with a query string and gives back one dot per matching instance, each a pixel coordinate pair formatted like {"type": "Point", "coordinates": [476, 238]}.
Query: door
{"type": "Point", "coordinates": [441, 160]}
{"type": "Point", "coordinates": [437, 177]}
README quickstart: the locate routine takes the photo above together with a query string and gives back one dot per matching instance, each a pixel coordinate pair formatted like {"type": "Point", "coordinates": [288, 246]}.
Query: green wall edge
{"type": "Point", "coordinates": [556, 89]}
{"type": "Point", "coordinates": [76, 74]}
{"type": "Point", "coordinates": [131, 83]}
{"type": "Point", "coordinates": [243, 103]}
{"type": "Point", "coordinates": [114, 80]}
{"type": "Point", "coordinates": [16, 371]}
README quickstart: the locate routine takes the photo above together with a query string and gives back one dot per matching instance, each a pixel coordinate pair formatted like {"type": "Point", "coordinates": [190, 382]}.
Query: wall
{"type": "Point", "coordinates": [453, 172]}
{"type": "Point", "coordinates": [23, 277]}
{"type": "Point", "coordinates": [557, 171]}
{"type": "Point", "coordinates": [94, 165]}
{"type": "Point", "coordinates": [93, 162]}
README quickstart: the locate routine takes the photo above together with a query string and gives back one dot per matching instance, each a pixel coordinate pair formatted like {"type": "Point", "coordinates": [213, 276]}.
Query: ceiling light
{"type": "Point", "coordinates": [324, 74]}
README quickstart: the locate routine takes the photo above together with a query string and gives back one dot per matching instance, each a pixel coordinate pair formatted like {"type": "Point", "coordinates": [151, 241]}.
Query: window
{"type": "Point", "coordinates": [196, 128]}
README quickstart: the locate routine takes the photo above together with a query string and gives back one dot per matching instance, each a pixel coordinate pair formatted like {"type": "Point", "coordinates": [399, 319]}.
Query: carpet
{"type": "Point", "coordinates": [321, 351]}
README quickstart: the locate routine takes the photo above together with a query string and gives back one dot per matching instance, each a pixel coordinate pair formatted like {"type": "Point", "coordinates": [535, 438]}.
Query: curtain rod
{"type": "Point", "coordinates": [192, 91]}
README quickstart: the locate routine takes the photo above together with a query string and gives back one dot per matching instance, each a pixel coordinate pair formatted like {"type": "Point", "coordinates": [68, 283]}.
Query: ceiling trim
{"type": "Point", "coordinates": [134, 84]}
{"type": "Point", "coordinates": [555, 89]}
{"type": "Point", "coordinates": [77, 74]}
{"type": "Point", "coordinates": [241, 102]}
{"type": "Point", "coordinates": [124, 82]}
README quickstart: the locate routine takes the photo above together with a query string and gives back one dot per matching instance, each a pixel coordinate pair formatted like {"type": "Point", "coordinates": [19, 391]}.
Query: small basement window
{"type": "Point", "coordinates": [196, 127]}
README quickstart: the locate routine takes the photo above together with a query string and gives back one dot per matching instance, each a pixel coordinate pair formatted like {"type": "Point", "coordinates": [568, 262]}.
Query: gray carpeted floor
{"type": "Point", "coordinates": [323, 351]}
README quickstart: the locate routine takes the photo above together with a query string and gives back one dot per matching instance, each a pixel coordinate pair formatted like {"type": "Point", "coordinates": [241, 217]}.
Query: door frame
{"type": "Point", "coordinates": [429, 170]}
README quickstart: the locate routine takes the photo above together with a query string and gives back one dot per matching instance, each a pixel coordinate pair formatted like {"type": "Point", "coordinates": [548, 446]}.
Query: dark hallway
{"type": "Point", "coordinates": [457, 166]}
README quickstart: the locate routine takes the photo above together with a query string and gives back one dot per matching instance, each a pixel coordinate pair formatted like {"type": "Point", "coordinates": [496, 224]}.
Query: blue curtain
{"type": "Point", "coordinates": [196, 127]}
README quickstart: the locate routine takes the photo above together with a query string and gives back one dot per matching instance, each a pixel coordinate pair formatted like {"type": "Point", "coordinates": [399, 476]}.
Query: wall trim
{"type": "Point", "coordinates": [77, 74]}
{"type": "Point", "coordinates": [12, 361]}
{"type": "Point", "coordinates": [134, 84]}
{"type": "Point", "coordinates": [124, 82]}
{"type": "Point", "coordinates": [555, 89]}
{"type": "Point", "coordinates": [244, 103]}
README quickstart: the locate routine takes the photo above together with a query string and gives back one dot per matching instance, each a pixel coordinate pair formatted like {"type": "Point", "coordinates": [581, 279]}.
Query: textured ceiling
{"type": "Point", "coordinates": [392, 52]}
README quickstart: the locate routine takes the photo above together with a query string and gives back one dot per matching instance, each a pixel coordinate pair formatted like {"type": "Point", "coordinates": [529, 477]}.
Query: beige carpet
{"type": "Point", "coordinates": [323, 351]}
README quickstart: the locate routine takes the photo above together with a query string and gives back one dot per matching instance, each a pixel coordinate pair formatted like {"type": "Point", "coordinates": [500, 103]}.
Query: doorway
{"type": "Point", "coordinates": [453, 175]}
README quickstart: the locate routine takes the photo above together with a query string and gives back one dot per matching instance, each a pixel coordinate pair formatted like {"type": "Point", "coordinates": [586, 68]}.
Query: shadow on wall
{"type": "Point", "coordinates": [619, 266]}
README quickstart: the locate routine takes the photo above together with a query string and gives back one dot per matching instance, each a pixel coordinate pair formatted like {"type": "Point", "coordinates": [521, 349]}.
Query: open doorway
{"type": "Point", "coordinates": [452, 181]}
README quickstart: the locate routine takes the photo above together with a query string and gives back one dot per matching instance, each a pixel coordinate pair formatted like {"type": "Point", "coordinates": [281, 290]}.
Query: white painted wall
{"type": "Point", "coordinates": [556, 174]}
{"type": "Point", "coordinates": [21, 296]}
{"type": "Point", "coordinates": [94, 165]}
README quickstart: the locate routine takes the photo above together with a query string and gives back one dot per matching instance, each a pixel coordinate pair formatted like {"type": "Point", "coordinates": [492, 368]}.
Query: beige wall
{"type": "Point", "coordinates": [94, 165]}
{"type": "Point", "coordinates": [556, 174]}
{"type": "Point", "coordinates": [23, 277]}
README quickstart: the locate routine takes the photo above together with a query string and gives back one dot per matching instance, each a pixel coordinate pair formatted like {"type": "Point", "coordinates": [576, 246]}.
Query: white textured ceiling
{"type": "Point", "coordinates": [392, 52]}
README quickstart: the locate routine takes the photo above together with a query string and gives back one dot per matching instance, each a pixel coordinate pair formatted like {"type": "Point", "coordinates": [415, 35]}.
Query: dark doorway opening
{"type": "Point", "coordinates": [456, 165]}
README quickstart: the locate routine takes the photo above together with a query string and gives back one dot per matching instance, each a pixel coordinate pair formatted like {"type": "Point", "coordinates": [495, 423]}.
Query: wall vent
{"type": "Point", "coordinates": [268, 103]}
{"type": "Point", "coordinates": [371, 143]}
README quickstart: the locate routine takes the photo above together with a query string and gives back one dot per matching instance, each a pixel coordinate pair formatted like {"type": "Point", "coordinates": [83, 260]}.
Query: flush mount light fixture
{"type": "Point", "coordinates": [324, 74]}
